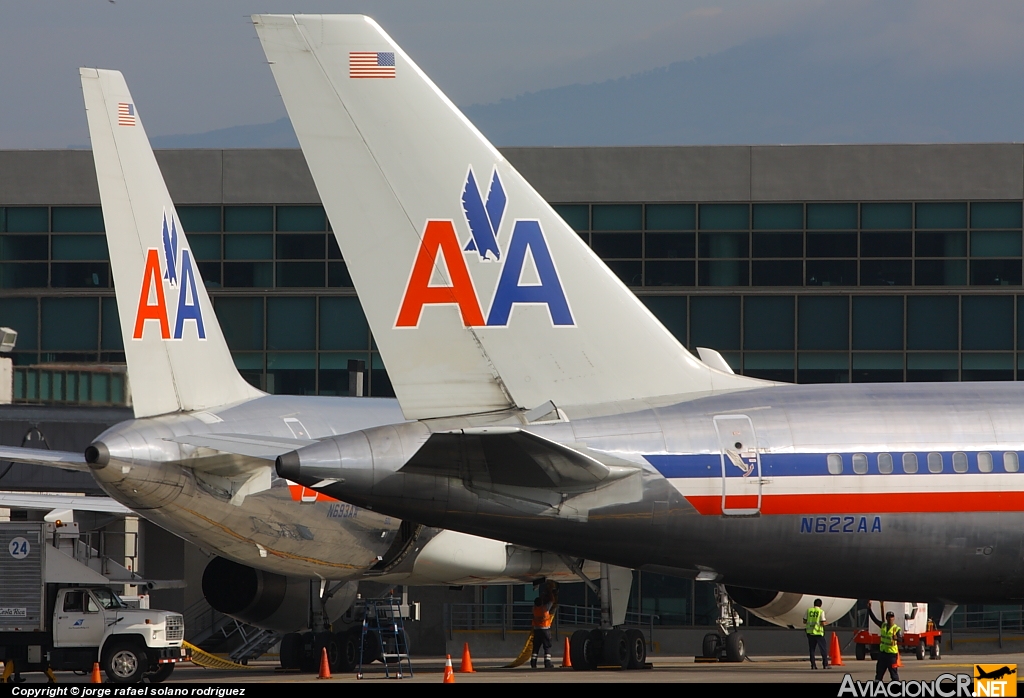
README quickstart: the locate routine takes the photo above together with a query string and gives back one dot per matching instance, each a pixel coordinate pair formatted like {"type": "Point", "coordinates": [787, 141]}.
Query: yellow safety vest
{"type": "Point", "coordinates": [814, 616]}
{"type": "Point", "coordinates": [888, 636]}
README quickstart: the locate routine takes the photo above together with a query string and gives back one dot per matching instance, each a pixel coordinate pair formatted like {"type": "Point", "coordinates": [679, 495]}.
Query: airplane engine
{"type": "Point", "coordinates": [785, 609]}
{"type": "Point", "coordinates": [253, 596]}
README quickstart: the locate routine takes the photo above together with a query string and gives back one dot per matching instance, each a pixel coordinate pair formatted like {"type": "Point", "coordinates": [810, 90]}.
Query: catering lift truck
{"type": "Point", "coordinates": [920, 636]}
{"type": "Point", "coordinates": [58, 612]}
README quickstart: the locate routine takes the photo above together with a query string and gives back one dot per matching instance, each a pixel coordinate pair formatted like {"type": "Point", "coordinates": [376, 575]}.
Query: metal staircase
{"type": "Point", "coordinates": [383, 620]}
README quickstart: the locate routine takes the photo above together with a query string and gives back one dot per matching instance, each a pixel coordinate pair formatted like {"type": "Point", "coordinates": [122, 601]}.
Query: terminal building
{"type": "Point", "coordinates": [807, 264]}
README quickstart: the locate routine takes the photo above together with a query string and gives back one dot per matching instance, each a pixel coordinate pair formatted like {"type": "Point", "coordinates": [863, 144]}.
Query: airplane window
{"type": "Point", "coordinates": [884, 463]}
{"type": "Point", "coordinates": [910, 462]}
{"type": "Point", "coordinates": [959, 462]}
{"type": "Point", "coordinates": [935, 462]}
{"type": "Point", "coordinates": [1011, 464]}
{"type": "Point", "coordinates": [860, 463]}
{"type": "Point", "coordinates": [835, 464]}
{"type": "Point", "coordinates": [985, 462]}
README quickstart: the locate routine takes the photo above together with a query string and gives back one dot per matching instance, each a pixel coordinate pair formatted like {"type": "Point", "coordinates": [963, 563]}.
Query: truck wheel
{"type": "Point", "coordinates": [860, 651]}
{"type": "Point", "coordinates": [125, 662]}
{"type": "Point", "coordinates": [160, 674]}
{"type": "Point", "coordinates": [936, 649]}
{"type": "Point", "coordinates": [920, 650]}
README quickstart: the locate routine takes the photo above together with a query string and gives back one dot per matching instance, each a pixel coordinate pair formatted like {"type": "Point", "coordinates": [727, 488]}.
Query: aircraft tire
{"type": "Point", "coordinates": [291, 648]}
{"type": "Point", "coordinates": [372, 649]}
{"type": "Point", "coordinates": [593, 651]}
{"type": "Point", "coordinates": [616, 649]}
{"type": "Point", "coordinates": [348, 654]}
{"type": "Point", "coordinates": [637, 649]}
{"type": "Point", "coordinates": [735, 648]}
{"type": "Point", "coordinates": [709, 648]}
{"type": "Point", "coordinates": [578, 650]}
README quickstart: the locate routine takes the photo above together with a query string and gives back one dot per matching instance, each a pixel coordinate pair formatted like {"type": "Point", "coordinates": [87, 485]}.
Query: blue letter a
{"type": "Point", "coordinates": [527, 234]}
{"type": "Point", "coordinates": [187, 288]}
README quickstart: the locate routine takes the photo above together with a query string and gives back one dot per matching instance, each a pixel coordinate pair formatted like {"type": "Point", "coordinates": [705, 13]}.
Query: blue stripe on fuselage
{"type": "Point", "coordinates": [699, 465]}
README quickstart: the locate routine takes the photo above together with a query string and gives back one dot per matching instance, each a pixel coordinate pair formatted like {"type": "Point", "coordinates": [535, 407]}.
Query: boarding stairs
{"type": "Point", "coordinates": [383, 619]}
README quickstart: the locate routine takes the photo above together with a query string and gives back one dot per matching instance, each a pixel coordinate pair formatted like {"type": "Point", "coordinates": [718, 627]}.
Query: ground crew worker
{"type": "Point", "coordinates": [542, 618]}
{"type": "Point", "coordinates": [814, 626]}
{"type": "Point", "coordinates": [889, 648]}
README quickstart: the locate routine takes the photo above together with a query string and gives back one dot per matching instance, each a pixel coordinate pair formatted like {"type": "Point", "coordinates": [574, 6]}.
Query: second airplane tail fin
{"type": "Point", "coordinates": [478, 294]}
{"type": "Point", "coordinates": [177, 357]}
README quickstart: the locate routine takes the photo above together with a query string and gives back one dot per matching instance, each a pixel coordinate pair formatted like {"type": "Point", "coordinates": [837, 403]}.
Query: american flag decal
{"type": "Point", "coordinates": [371, 64]}
{"type": "Point", "coordinates": [125, 114]}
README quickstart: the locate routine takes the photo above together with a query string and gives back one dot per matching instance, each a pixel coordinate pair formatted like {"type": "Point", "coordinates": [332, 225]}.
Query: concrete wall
{"type": "Point", "coordinates": [681, 173]}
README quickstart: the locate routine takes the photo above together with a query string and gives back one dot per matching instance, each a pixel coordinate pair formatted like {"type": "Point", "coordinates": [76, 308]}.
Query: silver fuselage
{"type": "Point", "coordinates": [286, 529]}
{"type": "Point", "coordinates": [738, 488]}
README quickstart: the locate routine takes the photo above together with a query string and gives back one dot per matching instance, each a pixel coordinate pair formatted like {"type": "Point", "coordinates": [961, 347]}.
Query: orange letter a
{"type": "Point", "coordinates": [156, 311]}
{"type": "Point", "coordinates": [439, 236]}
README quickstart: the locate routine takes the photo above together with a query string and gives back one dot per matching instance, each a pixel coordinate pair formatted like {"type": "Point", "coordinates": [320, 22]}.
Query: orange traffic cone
{"type": "Point", "coordinates": [566, 658]}
{"type": "Point", "coordinates": [96, 678]}
{"type": "Point", "coordinates": [835, 654]}
{"type": "Point", "coordinates": [899, 661]}
{"type": "Point", "coordinates": [449, 674]}
{"type": "Point", "coordinates": [467, 661]}
{"type": "Point", "coordinates": [325, 666]}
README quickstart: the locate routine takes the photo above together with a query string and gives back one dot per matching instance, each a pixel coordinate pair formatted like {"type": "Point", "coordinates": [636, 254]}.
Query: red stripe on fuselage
{"type": "Point", "coordinates": [889, 503]}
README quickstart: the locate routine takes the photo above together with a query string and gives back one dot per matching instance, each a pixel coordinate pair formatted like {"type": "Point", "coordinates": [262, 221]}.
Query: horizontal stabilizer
{"type": "Point", "coordinates": [511, 457]}
{"type": "Point", "coordinates": [66, 460]}
{"type": "Point", "coordinates": [265, 447]}
{"type": "Point", "coordinates": [50, 502]}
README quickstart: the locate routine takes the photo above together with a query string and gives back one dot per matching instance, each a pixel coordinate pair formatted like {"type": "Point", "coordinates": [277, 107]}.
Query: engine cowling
{"type": "Point", "coordinates": [786, 609]}
{"type": "Point", "coordinates": [257, 597]}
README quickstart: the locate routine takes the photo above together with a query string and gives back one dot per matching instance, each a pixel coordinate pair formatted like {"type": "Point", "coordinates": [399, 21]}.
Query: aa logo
{"type": "Point", "coordinates": [177, 278]}
{"type": "Point", "coordinates": [527, 272]}
{"type": "Point", "coordinates": [995, 679]}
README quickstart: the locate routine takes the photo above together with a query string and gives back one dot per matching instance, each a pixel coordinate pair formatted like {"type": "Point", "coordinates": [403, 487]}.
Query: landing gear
{"type": "Point", "coordinates": [728, 644]}
{"type": "Point", "coordinates": [610, 645]}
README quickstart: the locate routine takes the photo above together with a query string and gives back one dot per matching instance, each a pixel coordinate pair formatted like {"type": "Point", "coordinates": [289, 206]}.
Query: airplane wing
{"type": "Point", "coordinates": [66, 460]}
{"type": "Point", "coordinates": [253, 446]}
{"type": "Point", "coordinates": [49, 502]}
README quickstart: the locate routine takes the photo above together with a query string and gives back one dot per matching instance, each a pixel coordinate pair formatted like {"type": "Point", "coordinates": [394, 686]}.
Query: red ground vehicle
{"type": "Point", "coordinates": [920, 636]}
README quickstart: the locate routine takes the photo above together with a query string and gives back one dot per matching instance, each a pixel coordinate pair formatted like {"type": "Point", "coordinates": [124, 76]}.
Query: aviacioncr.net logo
{"type": "Point", "coordinates": [175, 276]}
{"type": "Point", "coordinates": [944, 686]}
{"type": "Point", "coordinates": [440, 251]}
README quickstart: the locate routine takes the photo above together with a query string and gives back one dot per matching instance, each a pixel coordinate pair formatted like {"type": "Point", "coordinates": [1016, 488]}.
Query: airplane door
{"type": "Point", "coordinates": [741, 465]}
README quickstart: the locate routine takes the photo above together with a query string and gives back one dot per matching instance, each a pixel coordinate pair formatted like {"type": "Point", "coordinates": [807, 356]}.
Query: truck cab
{"type": "Point", "coordinates": [58, 611]}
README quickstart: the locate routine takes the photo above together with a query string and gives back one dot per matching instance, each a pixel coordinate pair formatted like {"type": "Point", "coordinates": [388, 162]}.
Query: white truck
{"type": "Point", "coordinates": [58, 613]}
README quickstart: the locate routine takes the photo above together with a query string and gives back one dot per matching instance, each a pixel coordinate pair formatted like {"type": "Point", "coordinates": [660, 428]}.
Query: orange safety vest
{"type": "Point", "coordinates": [542, 617]}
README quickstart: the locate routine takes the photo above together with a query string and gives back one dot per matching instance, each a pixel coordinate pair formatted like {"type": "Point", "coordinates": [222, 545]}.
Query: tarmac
{"type": "Point", "coordinates": [663, 669]}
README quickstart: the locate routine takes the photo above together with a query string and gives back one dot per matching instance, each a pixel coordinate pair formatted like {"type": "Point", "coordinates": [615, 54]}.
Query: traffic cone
{"type": "Point", "coordinates": [449, 674]}
{"type": "Point", "coordinates": [325, 666]}
{"type": "Point", "coordinates": [835, 655]}
{"type": "Point", "coordinates": [467, 661]}
{"type": "Point", "coordinates": [96, 678]}
{"type": "Point", "coordinates": [899, 661]}
{"type": "Point", "coordinates": [566, 655]}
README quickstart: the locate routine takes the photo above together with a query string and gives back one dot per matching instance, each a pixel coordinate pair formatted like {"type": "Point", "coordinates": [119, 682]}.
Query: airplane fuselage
{"type": "Point", "coordinates": [864, 490]}
{"type": "Point", "coordinates": [236, 506]}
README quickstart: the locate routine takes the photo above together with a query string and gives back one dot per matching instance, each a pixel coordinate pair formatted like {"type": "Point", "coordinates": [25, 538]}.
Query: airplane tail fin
{"type": "Point", "coordinates": [177, 357]}
{"type": "Point", "coordinates": [478, 294]}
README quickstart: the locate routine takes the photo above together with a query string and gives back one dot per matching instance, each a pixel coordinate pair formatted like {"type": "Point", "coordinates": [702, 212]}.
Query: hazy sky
{"type": "Point", "coordinates": [196, 65]}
